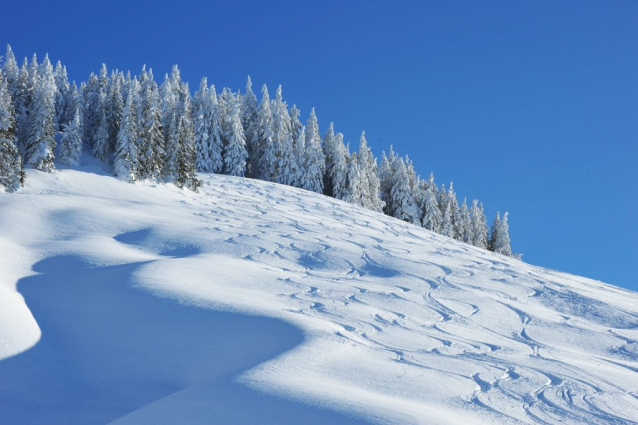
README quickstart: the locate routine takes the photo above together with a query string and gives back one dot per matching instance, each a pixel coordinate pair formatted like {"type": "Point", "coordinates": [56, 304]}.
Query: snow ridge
{"type": "Point", "coordinates": [391, 323]}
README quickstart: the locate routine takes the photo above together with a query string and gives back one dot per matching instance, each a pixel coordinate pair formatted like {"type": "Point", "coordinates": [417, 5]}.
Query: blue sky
{"type": "Point", "coordinates": [531, 107]}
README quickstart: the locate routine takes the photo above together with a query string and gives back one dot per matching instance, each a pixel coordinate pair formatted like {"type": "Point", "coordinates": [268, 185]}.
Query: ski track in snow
{"type": "Point", "coordinates": [390, 323]}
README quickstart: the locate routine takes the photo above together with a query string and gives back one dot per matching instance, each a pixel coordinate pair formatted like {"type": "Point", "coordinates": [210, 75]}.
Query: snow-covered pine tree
{"type": "Point", "coordinates": [11, 73]}
{"type": "Point", "coordinates": [151, 155]}
{"type": "Point", "coordinates": [71, 141]}
{"type": "Point", "coordinates": [369, 176]}
{"type": "Point", "coordinates": [41, 139]}
{"type": "Point", "coordinates": [125, 165]}
{"type": "Point", "coordinates": [266, 145]}
{"type": "Point", "coordinates": [355, 190]}
{"type": "Point", "coordinates": [101, 144]}
{"type": "Point", "coordinates": [11, 173]}
{"type": "Point", "coordinates": [492, 243]}
{"type": "Point", "coordinates": [235, 153]}
{"type": "Point", "coordinates": [339, 171]}
{"type": "Point", "coordinates": [216, 143]}
{"type": "Point", "coordinates": [201, 121]}
{"type": "Point", "coordinates": [314, 162]}
{"type": "Point", "coordinates": [386, 179]}
{"type": "Point", "coordinates": [116, 108]}
{"type": "Point", "coordinates": [331, 153]}
{"type": "Point", "coordinates": [250, 121]}
{"type": "Point", "coordinates": [447, 228]}
{"type": "Point", "coordinates": [91, 108]}
{"type": "Point", "coordinates": [404, 206]}
{"type": "Point", "coordinates": [479, 225]}
{"type": "Point", "coordinates": [466, 223]}
{"type": "Point", "coordinates": [286, 165]}
{"type": "Point", "coordinates": [61, 95]}
{"type": "Point", "coordinates": [501, 243]}
{"type": "Point", "coordinates": [431, 215]}
{"type": "Point", "coordinates": [298, 142]}
{"type": "Point", "coordinates": [22, 106]}
{"type": "Point", "coordinates": [186, 168]}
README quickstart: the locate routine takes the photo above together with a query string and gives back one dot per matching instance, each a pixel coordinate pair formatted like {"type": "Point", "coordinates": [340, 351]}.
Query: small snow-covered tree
{"type": "Point", "coordinates": [432, 215]}
{"type": "Point", "coordinates": [500, 240]}
{"type": "Point", "coordinates": [125, 165]}
{"type": "Point", "coordinates": [250, 124]}
{"type": "Point", "coordinates": [479, 225]}
{"type": "Point", "coordinates": [355, 189]}
{"type": "Point", "coordinates": [71, 141]}
{"type": "Point", "coordinates": [101, 144]}
{"type": "Point", "coordinates": [266, 144]}
{"type": "Point", "coordinates": [369, 176]}
{"type": "Point", "coordinates": [201, 121]}
{"type": "Point", "coordinates": [216, 143]}
{"type": "Point", "coordinates": [11, 173]}
{"type": "Point", "coordinates": [339, 171]}
{"type": "Point", "coordinates": [404, 206]}
{"type": "Point", "coordinates": [286, 164]}
{"type": "Point", "coordinates": [41, 138]}
{"type": "Point", "coordinates": [331, 153]}
{"type": "Point", "coordinates": [235, 153]}
{"type": "Point", "coordinates": [314, 162]}
{"type": "Point", "coordinates": [492, 243]}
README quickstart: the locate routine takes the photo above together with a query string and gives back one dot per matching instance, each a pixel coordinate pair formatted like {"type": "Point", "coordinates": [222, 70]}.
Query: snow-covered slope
{"type": "Point", "coordinates": [255, 303]}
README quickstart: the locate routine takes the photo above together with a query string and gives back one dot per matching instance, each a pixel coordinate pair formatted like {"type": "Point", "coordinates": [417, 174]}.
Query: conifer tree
{"type": "Point", "coordinates": [116, 109]}
{"type": "Point", "coordinates": [41, 138]}
{"type": "Point", "coordinates": [11, 173]}
{"type": "Point", "coordinates": [479, 225]}
{"type": "Point", "coordinates": [266, 145]}
{"type": "Point", "coordinates": [71, 141]}
{"type": "Point", "coordinates": [151, 156]}
{"type": "Point", "coordinates": [501, 242]}
{"type": "Point", "coordinates": [466, 224]}
{"type": "Point", "coordinates": [355, 189]}
{"type": "Point", "coordinates": [250, 121]}
{"type": "Point", "coordinates": [201, 121]}
{"type": "Point", "coordinates": [235, 153]}
{"type": "Point", "coordinates": [22, 106]}
{"type": "Point", "coordinates": [215, 133]}
{"type": "Point", "coordinates": [101, 145]}
{"type": "Point", "coordinates": [447, 228]}
{"type": "Point", "coordinates": [331, 153]}
{"type": "Point", "coordinates": [369, 176]}
{"type": "Point", "coordinates": [126, 154]}
{"type": "Point", "coordinates": [298, 143]}
{"type": "Point", "coordinates": [11, 73]}
{"type": "Point", "coordinates": [403, 203]}
{"type": "Point", "coordinates": [61, 95]}
{"type": "Point", "coordinates": [314, 162]}
{"type": "Point", "coordinates": [339, 171]}
{"type": "Point", "coordinates": [492, 243]}
{"type": "Point", "coordinates": [286, 163]}
{"type": "Point", "coordinates": [432, 215]}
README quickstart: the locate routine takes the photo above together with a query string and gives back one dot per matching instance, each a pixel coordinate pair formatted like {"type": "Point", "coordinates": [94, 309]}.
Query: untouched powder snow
{"type": "Point", "coordinates": [255, 303]}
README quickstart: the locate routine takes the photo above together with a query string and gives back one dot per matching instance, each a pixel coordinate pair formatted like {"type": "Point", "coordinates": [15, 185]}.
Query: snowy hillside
{"type": "Point", "coordinates": [256, 303]}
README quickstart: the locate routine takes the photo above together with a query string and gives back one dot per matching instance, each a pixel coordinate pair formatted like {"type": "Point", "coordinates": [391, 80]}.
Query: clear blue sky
{"type": "Point", "coordinates": [529, 106]}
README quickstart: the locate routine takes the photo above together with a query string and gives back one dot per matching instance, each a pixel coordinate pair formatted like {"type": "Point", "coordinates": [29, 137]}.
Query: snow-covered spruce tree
{"type": "Point", "coordinates": [369, 176]}
{"type": "Point", "coordinates": [339, 171]}
{"type": "Point", "coordinates": [298, 142]}
{"type": "Point", "coordinates": [71, 141]}
{"type": "Point", "coordinates": [235, 153]}
{"type": "Point", "coordinates": [116, 108]}
{"type": "Point", "coordinates": [61, 95]}
{"type": "Point", "coordinates": [447, 228]}
{"type": "Point", "coordinates": [11, 72]}
{"type": "Point", "coordinates": [11, 173]}
{"type": "Point", "coordinates": [216, 142]}
{"type": "Point", "coordinates": [151, 155]}
{"type": "Point", "coordinates": [355, 189]}
{"type": "Point", "coordinates": [494, 232]}
{"type": "Point", "coordinates": [314, 162]}
{"type": "Point", "coordinates": [431, 215]}
{"type": "Point", "coordinates": [226, 101]}
{"type": "Point", "coordinates": [403, 202]}
{"type": "Point", "coordinates": [266, 145]}
{"type": "Point", "coordinates": [331, 153]}
{"type": "Point", "coordinates": [101, 142]}
{"type": "Point", "coordinates": [479, 225]}
{"type": "Point", "coordinates": [250, 121]}
{"type": "Point", "coordinates": [500, 241]}
{"type": "Point", "coordinates": [41, 138]}
{"type": "Point", "coordinates": [125, 165]}
{"type": "Point", "coordinates": [457, 222]}
{"type": "Point", "coordinates": [386, 179]}
{"type": "Point", "coordinates": [466, 223]}
{"type": "Point", "coordinates": [202, 110]}
{"type": "Point", "coordinates": [286, 163]}
{"type": "Point", "coordinates": [186, 169]}
{"type": "Point", "coordinates": [22, 106]}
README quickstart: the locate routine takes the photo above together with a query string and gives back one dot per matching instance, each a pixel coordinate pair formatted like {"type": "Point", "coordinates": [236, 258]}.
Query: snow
{"type": "Point", "coordinates": [252, 302]}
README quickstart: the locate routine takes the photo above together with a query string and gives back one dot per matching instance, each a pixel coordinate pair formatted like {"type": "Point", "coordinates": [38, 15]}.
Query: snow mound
{"type": "Point", "coordinates": [252, 302]}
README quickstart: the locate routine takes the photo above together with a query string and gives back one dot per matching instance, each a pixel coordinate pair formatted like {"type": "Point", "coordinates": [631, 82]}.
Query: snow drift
{"type": "Point", "coordinates": [252, 302]}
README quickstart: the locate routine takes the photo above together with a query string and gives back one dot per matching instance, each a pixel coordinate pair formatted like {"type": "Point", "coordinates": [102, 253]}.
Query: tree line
{"type": "Point", "coordinates": [151, 131]}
